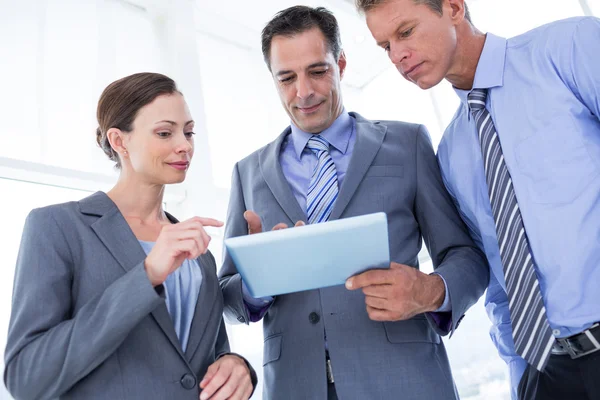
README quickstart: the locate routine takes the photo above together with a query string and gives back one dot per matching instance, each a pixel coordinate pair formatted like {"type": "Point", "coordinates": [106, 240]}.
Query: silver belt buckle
{"type": "Point", "coordinates": [329, 371]}
{"type": "Point", "coordinates": [573, 352]}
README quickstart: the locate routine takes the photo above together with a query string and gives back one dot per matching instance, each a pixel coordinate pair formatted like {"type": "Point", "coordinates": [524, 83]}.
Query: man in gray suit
{"type": "Point", "coordinates": [331, 164]}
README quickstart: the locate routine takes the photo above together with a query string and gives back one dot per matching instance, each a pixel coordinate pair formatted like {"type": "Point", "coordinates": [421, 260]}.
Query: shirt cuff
{"type": "Point", "coordinates": [446, 306]}
{"type": "Point", "coordinates": [443, 315]}
{"type": "Point", "coordinates": [256, 307]}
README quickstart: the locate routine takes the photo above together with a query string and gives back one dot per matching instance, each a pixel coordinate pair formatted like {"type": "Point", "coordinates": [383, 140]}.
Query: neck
{"type": "Point", "coordinates": [470, 46]}
{"type": "Point", "coordinates": [138, 200]}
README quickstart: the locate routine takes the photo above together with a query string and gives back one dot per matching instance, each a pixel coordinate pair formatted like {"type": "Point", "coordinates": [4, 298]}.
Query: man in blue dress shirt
{"type": "Point", "coordinates": [521, 158]}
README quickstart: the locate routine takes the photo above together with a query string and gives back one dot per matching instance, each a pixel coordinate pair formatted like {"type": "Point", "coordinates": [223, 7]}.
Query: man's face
{"type": "Point", "coordinates": [419, 41]}
{"type": "Point", "coordinates": [308, 78]}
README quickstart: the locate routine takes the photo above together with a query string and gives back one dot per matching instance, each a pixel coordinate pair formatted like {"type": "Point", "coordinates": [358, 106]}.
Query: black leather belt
{"type": "Point", "coordinates": [579, 345]}
{"type": "Point", "coordinates": [328, 367]}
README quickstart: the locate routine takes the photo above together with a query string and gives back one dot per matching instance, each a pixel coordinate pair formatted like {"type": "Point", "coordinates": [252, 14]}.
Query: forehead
{"type": "Point", "coordinates": [299, 51]}
{"type": "Point", "coordinates": [390, 14]}
{"type": "Point", "coordinates": [165, 107]}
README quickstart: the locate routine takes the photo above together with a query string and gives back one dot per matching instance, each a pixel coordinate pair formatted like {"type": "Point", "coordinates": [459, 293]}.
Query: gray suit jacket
{"type": "Point", "coordinates": [87, 324]}
{"type": "Point", "coordinates": [393, 169]}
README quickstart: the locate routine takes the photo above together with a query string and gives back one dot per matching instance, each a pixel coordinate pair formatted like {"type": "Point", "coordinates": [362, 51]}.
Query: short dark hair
{"type": "Point", "coordinates": [299, 19]}
{"type": "Point", "coordinates": [435, 5]}
{"type": "Point", "coordinates": [121, 101]}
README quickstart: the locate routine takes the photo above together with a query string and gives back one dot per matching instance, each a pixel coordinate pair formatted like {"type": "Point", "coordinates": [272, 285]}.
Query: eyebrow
{"type": "Point", "coordinates": [313, 65]}
{"type": "Point", "coordinates": [175, 123]}
{"type": "Point", "coordinates": [398, 28]}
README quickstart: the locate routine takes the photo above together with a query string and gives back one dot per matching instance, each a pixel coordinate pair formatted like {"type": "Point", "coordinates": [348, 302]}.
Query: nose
{"type": "Point", "coordinates": [304, 88]}
{"type": "Point", "coordinates": [398, 53]}
{"type": "Point", "coordinates": [184, 144]}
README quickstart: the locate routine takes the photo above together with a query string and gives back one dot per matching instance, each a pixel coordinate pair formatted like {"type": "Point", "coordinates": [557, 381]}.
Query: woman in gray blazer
{"type": "Point", "coordinates": [113, 297]}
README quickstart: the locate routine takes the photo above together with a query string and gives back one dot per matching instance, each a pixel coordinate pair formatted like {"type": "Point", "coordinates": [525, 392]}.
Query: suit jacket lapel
{"type": "Point", "coordinates": [115, 233]}
{"type": "Point", "coordinates": [279, 186]}
{"type": "Point", "coordinates": [369, 137]}
{"type": "Point", "coordinates": [204, 307]}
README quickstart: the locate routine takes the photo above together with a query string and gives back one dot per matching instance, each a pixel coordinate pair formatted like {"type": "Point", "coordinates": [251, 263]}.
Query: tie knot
{"type": "Point", "coordinates": [476, 99]}
{"type": "Point", "coordinates": [316, 144]}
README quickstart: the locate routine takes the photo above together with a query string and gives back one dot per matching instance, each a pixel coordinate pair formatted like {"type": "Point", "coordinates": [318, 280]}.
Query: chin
{"type": "Point", "coordinates": [173, 179]}
{"type": "Point", "coordinates": [427, 82]}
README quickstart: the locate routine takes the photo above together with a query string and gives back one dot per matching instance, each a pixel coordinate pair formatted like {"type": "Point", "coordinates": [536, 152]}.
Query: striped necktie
{"type": "Point", "coordinates": [531, 332]}
{"type": "Point", "coordinates": [323, 189]}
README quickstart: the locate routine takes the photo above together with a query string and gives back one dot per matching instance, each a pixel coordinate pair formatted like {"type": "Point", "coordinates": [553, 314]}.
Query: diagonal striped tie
{"type": "Point", "coordinates": [531, 332]}
{"type": "Point", "coordinates": [323, 189]}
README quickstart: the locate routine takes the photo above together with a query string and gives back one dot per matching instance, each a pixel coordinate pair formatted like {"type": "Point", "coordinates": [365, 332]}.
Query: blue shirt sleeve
{"type": "Point", "coordinates": [257, 307]}
{"type": "Point", "coordinates": [584, 64]}
{"type": "Point", "coordinates": [496, 305]}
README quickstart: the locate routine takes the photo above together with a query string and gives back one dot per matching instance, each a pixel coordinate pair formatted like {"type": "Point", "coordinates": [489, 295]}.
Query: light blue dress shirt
{"type": "Point", "coordinates": [298, 164]}
{"type": "Point", "coordinates": [544, 99]}
{"type": "Point", "coordinates": [182, 287]}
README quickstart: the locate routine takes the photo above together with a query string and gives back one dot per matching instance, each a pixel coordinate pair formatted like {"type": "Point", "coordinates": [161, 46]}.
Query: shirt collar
{"type": "Point", "coordinates": [490, 68]}
{"type": "Point", "coordinates": [338, 134]}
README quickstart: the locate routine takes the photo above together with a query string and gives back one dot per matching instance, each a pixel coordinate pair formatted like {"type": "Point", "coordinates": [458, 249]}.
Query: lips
{"type": "Point", "coordinates": [180, 165]}
{"type": "Point", "coordinates": [411, 69]}
{"type": "Point", "coordinates": [308, 110]}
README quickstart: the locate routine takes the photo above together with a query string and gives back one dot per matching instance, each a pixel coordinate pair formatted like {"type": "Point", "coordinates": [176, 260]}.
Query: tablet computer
{"type": "Point", "coordinates": [311, 256]}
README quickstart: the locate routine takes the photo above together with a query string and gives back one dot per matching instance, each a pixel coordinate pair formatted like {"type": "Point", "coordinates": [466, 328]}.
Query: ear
{"type": "Point", "coordinates": [342, 64]}
{"type": "Point", "coordinates": [456, 9]}
{"type": "Point", "coordinates": [116, 138]}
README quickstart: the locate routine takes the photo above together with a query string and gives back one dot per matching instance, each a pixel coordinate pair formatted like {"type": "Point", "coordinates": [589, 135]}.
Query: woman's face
{"type": "Point", "coordinates": [161, 144]}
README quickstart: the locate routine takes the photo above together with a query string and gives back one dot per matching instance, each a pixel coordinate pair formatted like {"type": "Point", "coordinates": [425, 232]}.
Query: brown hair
{"type": "Point", "coordinates": [299, 19]}
{"type": "Point", "coordinates": [121, 101]}
{"type": "Point", "coordinates": [435, 5]}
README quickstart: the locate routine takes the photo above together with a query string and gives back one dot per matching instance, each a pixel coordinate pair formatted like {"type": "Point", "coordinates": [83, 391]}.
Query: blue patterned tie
{"type": "Point", "coordinates": [323, 189]}
{"type": "Point", "coordinates": [531, 332]}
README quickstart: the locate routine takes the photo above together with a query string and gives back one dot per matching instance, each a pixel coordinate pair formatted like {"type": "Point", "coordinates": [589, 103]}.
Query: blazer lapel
{"type": "Point", "coordinates": [115, 233]}
{"type": "Point", "coordinates": [369, 137]}
{"type": "Point", "coordinates": [273, 175]}
{"type": "Point", "coordinates": [204, 307]}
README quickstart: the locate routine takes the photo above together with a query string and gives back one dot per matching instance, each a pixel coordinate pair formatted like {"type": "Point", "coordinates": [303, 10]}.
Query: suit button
{"type": "Point", "coordinates": [314, 318]}
{"type": "Point", "coordinates": [188, 381]}
{"type": "Point", "coordinates": [241, 319]}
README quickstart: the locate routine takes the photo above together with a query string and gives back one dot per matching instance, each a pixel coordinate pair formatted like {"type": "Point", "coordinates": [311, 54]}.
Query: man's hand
{"type": "Point", "coordinates": [398, 293]}
{"type": "Point", "coordinates": [227, 378]}
{"type": "Point", "coordinates": [255, 226]}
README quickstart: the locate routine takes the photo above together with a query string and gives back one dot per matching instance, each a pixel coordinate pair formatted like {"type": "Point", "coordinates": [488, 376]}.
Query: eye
{"type": "Point", "coordinates": [286, 80]}
{"type": "Point", "coordinates": [320, 72]}
{"type": "Point", "coordinates": [386, 48]}
{"type": "Point", "coordinates": [190, 134]}
{"type": "Point", "coordinates": [164, 134]}
{"type": "Point", "coordinates": [406, 33]}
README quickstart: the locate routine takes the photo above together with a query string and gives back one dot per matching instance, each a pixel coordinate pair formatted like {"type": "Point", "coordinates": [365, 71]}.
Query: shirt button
{"type": "Point", "coordinates": [188, 381]}
{"type": "Point", "coordinates": [556, 332]}
{"type": "Point", "coordinates": [314, 318]}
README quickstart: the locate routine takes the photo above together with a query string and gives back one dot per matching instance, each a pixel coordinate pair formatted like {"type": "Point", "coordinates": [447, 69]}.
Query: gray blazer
{"type": "Point", "coordinates": [87, 324]}
{"type": "Point", "coordinates": [393, 169]}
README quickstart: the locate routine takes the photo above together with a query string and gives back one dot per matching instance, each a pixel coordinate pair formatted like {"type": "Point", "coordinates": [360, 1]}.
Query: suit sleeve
{"type": "Point", "coordinates": [236, 309]}
{"type": "Point", "coordinates": [454, 255]}
{"type": "Point", "coordinates": [48, 348]}
{"type": "Point", "coordinates": [222, 349]}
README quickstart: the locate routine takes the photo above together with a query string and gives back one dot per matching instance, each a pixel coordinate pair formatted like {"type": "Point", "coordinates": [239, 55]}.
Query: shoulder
{"type": "Point", "coordinates": [396, 131]}
{"type": "Point", "coordinates": [553, 37]}
{"type": "Point", "coordinates": [53, 215]}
